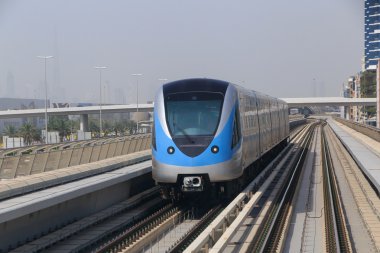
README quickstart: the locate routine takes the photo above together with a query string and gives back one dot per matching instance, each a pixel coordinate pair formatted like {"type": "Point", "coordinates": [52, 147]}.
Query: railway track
{"type": "Point", "coordinates": [337, 238]}
{"type": "Point", "coordinates": [170, 229]}
{"type": "Point", "coordinates": [264, 209]}
{"type": "Point", "coordinates": [139, 224]}
{"type": "Point", "coordinates": [150, 234]}
{"type": "Point", "coordinates": [260, 196]}
{"type": "Point", "coordinates": [270, 235]}
{"type": "Point", "coordinates": [365, 198]}
{"type": "Point", "coordinates": [105, 223]}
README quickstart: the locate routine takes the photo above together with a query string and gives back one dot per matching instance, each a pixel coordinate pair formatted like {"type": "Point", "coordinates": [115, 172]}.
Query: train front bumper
{"type": "Point", "coordinates": [224, 171]}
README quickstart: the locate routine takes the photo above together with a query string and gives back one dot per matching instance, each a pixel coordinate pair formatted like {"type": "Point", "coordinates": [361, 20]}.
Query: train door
{"type": "Point", "coordinates": [278, 128]}
{"type": "Point", "coordinates": [256, 130]}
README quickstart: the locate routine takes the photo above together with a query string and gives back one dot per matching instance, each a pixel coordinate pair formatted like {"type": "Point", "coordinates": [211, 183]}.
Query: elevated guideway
{"type": "Point", "coordinates": [292, 102]}
{"type": "Point", "coordinates": [51, 200]}
{"type": "Point", "coordinates": [329, 101]}
{"type": "Point", "coordinates": [364, 150]}
{"type": "Point", "coordinates": [85, 110]}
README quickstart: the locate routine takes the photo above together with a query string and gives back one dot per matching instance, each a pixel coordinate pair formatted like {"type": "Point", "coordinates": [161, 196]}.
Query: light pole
{"type": "Point", "coordinates": [137, 91]}
{"type": "Point", "coordinates": [137, 100]}
{"type": "Point", "coordinates": [46, 123]}
{"type": "Point", "coordinates": [100, 99]}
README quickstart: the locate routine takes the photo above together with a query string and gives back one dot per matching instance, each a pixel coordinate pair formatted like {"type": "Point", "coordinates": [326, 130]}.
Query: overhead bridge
{"type": "Point", "coordinates": [292, 102]}
{"type": "Point", "coordinates": [85, 110]}
{"type": "Point", "coordinates": [329, 101]}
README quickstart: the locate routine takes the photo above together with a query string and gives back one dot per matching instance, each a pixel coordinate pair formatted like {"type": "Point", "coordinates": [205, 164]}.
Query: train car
{"type": "Point", "coordinates": [208, 134]}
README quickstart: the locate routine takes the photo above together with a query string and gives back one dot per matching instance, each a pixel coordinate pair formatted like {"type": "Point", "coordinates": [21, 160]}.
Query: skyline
{"type": "Point", "coordinates": [281, 49]}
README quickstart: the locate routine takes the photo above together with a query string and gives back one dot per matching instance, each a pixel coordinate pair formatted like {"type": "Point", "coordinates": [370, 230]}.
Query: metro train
{"type": "Point", "coordinates": [210, 135]}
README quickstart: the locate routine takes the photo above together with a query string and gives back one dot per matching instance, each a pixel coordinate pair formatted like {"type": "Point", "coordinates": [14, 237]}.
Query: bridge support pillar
{"type": "Point", "coordinates": [84, 122]}
{"type": "Point", "coordinates": [378, 95]}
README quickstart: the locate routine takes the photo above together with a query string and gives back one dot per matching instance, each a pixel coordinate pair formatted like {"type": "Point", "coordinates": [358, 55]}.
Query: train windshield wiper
{"type": "Point", "coordinates": [184, 133]}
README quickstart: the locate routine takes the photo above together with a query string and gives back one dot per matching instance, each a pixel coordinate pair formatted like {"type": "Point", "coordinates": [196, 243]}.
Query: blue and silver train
{"type": "Point", "coordinates": [208, 134]}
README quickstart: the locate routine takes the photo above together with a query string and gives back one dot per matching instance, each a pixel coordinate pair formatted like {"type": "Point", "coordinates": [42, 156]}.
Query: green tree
{"type": "Point", "coordinates": [74, 126]}
{"type": "Point", "coordinates": [119, 128]}
{"type": "Point", "coordinates": [28, 132]}
{"type": "Point", "coordinates": [107, 128]}
{"type": "Point", "coordinates": [60, 124]}
{"type": "Point", "coordinates": [93, 127]}
{"type": "Point", "coordinates": [368, 90]}
{"type": "Point", "coordinates": [130, 126]}
{"type": "Point", "coordinates": [10, 131]}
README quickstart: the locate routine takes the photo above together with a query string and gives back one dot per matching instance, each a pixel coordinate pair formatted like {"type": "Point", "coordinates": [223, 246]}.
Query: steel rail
{"type": "Point", "coordinates": [270, 237]}
{"type": "Point", "coordinates": [131, 235]}
{"type": "Point", "coordinates": [185, 241]}
{"type": "Point", "coordinates": [337, 239]}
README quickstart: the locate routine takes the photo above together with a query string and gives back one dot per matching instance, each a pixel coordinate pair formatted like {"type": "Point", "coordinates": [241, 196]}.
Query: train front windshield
{"type": "Point", "coordinates": [193, 113]}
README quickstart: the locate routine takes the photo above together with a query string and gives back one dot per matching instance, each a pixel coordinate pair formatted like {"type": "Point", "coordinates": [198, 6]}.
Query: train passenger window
{"type": "Point", "coordinates": [154, 145]}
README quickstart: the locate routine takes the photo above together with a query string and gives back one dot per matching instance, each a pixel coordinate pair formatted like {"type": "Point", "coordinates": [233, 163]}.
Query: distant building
{"type": "Point", "coordinates": [371, 33]}
{"type": "Point", "coordinates": [352, 90]}
{"type": "Point", "coordinates": [21, 104]}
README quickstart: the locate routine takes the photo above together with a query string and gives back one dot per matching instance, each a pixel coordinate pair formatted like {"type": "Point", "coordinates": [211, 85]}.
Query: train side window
{"type": "Point", "coordinates": [154, 145]}
{"type": "Point", "coordinates": [236, 135]}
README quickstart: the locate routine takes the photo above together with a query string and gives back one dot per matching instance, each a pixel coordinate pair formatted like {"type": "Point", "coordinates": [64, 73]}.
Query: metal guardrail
{"type": "Point", "coordinates": [370, 131]}
{"type": "Point", "coordinates": [22, 165]}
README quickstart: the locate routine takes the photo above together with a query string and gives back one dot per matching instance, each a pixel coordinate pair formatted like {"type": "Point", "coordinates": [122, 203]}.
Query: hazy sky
{"type": "Point", "coordinates": [276, 47]}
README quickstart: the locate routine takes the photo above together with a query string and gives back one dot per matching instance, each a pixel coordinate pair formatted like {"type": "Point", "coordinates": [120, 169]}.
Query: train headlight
{"type": "Point", "coordinates": [214, 149]}
{"type": "Point", "coordinates": [171, 150]}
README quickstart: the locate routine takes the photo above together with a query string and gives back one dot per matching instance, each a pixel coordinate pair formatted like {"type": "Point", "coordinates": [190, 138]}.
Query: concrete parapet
{"type": "Point", "coordinates": [111, 149]}
{"type": "Point", "coordinates": [65, 158]}
{"type": "Point", "coordinates": [37, 162]}
{"type": "Point", "coordinates": [46, 211]}
{"type": "Point", "coordinates": [86, 155]}
{"type": "Point", "coordinates": [370, 131]}
{"type": "Point", "coordinates": [95, 154]}
{"type": "Point", "coordinates": [75, 156]}
{"type": "Point", "coordinates": [22, 185]}
{"type": "Point", "coordinates": [52, 162]}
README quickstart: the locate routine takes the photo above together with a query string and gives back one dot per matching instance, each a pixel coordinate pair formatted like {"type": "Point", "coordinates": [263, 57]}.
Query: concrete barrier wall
{"type": "Point", "coordinates": [14, 166]}
{"type": "Point", "coordinates": [24, 165]}
{"type": "Point", "coordinates": [53, 160]}
{"type": "Point", "coordinates": [95, 154]}
{"type": "Point", "coordinates": [370, 131]}
{"type": "Point", "coordinates": [39, 163]}
{"type": "Point", "coordinates": [86, 155]}
{"type": "Point", "coordinates": [65, 158]}
{"type": "Point", "coordinates": [8, 167]}
{"type": "Point", "coordinates": [111, 150]}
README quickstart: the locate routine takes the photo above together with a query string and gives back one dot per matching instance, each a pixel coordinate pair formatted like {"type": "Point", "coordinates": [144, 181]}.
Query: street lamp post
{"type": "Point", "coordinates": [100, 99]}
{"type": "Point", "coordinates": [46, 119]}
{"type": "Point", "coordinates": [137, 90]}
{"type": "Point", "coordinates": [137, 100]}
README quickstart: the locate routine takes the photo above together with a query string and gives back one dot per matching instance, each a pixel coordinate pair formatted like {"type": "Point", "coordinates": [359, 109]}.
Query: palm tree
{"type": "Point", "coordinates": [28, 132]}
{"type": "Point", "coordinates": [119, 128]}
{"type": "Point", "coordinates": [93, 127]}
{"type": "Point", "coordinates": [107, 128]}
{"type": "Point", "coordinates": [60, 124]}
{"type": "Point", "coordinates": [10, 131]}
